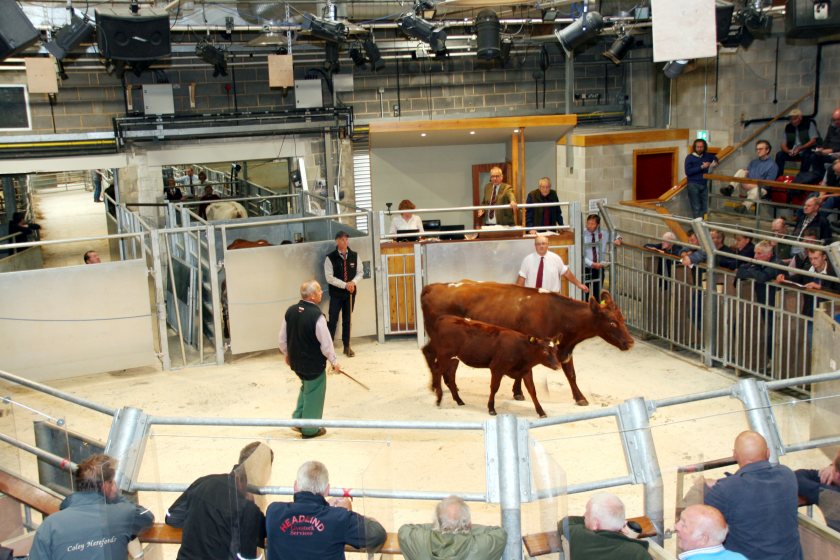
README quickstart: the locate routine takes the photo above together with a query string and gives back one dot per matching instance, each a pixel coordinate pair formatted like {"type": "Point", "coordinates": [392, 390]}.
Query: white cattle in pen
{"type": "Point", "coordinates": [225, 210]}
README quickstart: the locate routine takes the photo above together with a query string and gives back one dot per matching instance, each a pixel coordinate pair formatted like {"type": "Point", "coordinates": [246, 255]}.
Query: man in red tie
{"type": "Point", "coordinates": [342, 273]}
{"type": "Point", "coordinates": [543, 269]}
{"type": "Point", "coordinates": [497, 192]}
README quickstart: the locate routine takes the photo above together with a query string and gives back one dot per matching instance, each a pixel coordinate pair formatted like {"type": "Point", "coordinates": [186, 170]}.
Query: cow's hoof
{"type": "Point", "coordinates": [543, 415]}
{"type": "Point", "coordinates": [492, 413]}
{"type": "Point", "coordinates": [519, 397]}
{"type": "Point", "coordinates": [582, 402]}
{"type": "Point", "coordinates": [460, 403]}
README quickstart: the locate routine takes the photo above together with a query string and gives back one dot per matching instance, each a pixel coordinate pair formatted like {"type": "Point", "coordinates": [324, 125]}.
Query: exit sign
{"type": "Point", "coordinates": [703, 135]}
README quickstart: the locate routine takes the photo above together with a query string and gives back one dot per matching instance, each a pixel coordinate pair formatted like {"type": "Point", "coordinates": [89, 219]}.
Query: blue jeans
{"type": "Point", "coordinates": [698, 197]}
{"type": "Point", "coordinates": [97, 187]}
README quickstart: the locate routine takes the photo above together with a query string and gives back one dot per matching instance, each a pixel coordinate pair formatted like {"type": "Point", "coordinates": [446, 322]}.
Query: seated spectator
{"type": "Point", "coordinates": [207, 196]}
{"type": "Point", "coordinates": [452, 535]}
{"type": "Point", "coordinates": [761, 168]}
{"type": "Point", "coordinates": [701, 531]}
{"type": "Point", "coordinates": [759, 273]}
{"type": "Point", "coordinates": [668, 245]}
{"type": "Point", "coordinates": [829, 202]}
{"type": "Point", "coordinates": [598, 535]}
{"type": "Point", "coordinates": [172, 193]}
{"type": "Point", "coordinates": [800, 138]}
{"type": "Point", "coordinates": [220, 520]}
{"type": "Point", "coordinates": [697, 256]}
{"type": "Point", "coordinates": [811, 218]}
{"type": "Point", "coordinates": [406, 220]}
{"type": "Point", "coordinates": [91, 257]}
{"type": "Point", "coordinates": [829, 150]}
{"type": "Point", "coordinates": [759, 502]}
{"type": "Point", "coordinates": [822, 488]}
{"type": "Point", "coordinates": [535, 218]}
{"type": "Point", "coordinates": [312, 527]}
{"type": "Point", "coordinates": [743, 246]}
{"type": "Point", "coordinates": [781, 251]}
{"type": "Point", "coordinates": [819, 265]}
{"type": "Point", "coordinates": [95, 522]}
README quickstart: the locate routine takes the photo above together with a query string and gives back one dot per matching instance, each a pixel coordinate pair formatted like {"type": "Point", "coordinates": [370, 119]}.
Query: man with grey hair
{"type": "Point", "coordinates": [312, 526]}
{"type": "Point", "coordinates": [305, 340]}
{"type": "Point", "coordinates": [452, 535]}
{"type": "Point", "coordinates": [598, 534]}
{"type": "Point", "coordinates": [539, 218]}
{"type": "Point", "coordinates": [701, 531]}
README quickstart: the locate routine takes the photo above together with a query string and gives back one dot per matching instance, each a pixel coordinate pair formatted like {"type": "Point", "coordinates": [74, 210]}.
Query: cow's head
{"type": "Point", "coordinates": [548, 352]}
{"type": "Point", "coordinates": [609, 322]}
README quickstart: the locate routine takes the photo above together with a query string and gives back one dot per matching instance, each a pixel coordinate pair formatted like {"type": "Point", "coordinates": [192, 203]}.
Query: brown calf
{"type": "Point", "coordinates": [482, 345]}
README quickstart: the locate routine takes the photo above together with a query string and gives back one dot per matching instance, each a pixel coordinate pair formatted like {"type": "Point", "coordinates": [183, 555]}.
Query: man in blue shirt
{"type": "Point", "coordinates": [759, 502]}
{"type": "Point", "coordinates": [761, 168]}
{"type": "Point", "coordinates": [698, 163]}
{"type": "Point", "coordinates": [701, 531]}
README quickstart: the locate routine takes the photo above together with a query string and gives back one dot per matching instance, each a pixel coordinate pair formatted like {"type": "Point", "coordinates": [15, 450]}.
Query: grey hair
{"type": "Point", "coordinates": [608, 509]}
{"type": "Point", "coordinates": [308, 289]}
{"type": "Point", "coordinates": [312, 476]}
{"type": "Point", "coordinates": [546, 179]}
{"type": "Point", "coordinates": [669, 236]}
{"type": "Point", "coordinates": [452, 515]}
{"type": "Point", "coordinates": [764, 247]}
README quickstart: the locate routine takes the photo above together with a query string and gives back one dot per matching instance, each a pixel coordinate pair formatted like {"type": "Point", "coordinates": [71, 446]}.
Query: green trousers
{"type": "Point", "coordinates": [310, 403]}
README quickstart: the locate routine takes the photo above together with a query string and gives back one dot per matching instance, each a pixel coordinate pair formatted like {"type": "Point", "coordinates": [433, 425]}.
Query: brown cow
{"type": "Point", "coordinates": [536, 313]}
{"type": "Point", "coordinates": [247, 244]}
{"type": "Point", "coordinates": [483, 345]}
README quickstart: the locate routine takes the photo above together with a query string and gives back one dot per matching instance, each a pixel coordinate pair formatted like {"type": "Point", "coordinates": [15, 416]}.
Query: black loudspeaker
{"type": "Point", "coordinates": [16, 31]}
{"type": "Point", "coordinates": [723, 19]}
{"type": "Point", "coordinates": [133, 38]}
{"type": "Point", "coordinates": [809, 19]}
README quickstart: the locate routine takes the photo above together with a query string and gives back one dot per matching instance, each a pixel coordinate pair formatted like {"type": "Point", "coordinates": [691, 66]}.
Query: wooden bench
{"type": "Point", "coordinates": [29, 493]}
{"type": "Point", "coordinates": [538, 544]}
{"type": "Point", "coordinates": [161, 533]}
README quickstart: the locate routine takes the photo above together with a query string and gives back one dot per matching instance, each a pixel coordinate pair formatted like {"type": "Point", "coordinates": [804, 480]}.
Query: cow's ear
{"type": "Point", "coordinates": [605, 296]}
{"type": "Point", "coordinates": [594, 305]}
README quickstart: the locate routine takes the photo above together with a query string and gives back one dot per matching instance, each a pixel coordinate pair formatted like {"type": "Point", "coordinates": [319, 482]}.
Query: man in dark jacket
{"type": "Point", "coordinates": [801, 137]}
{"type": "Point", "coordinates": [95, 522]}
{"type": "Point", "coordinates": [220, 521]}
{"type": "Point", "coordinates": [312, 527]}
{"type": "Point", "coordinates": [341, 268]}
{"type": "Point", "coordinates": [306, 342]}
{"type": "Point", "coordinates": [536, 218]}
{"type": "Point", "coordinates": [598, 534]}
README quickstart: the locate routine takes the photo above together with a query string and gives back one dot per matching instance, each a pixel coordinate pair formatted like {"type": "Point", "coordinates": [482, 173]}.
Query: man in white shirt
{"type": "Point", "coordinates": [701, 531]}
{"type": "Point", "coordinates": [543, 269]}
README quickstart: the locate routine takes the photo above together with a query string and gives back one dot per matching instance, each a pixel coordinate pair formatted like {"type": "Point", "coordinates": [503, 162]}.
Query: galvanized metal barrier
{"type": "Point", "coordinates": [760, 328]}
{"type": "Point", "coordinates": [506, 439]}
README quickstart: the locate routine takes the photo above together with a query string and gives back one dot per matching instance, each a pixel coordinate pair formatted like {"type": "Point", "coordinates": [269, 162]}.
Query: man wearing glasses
{"type": "Point", "coordinates": [763, 168]}
{"type": "Point", "coordinates": [496, 192]}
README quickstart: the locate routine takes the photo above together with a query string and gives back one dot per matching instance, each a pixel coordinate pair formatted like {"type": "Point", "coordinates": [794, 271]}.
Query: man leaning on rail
{"type": "Point", "coordinates": [95, 522]}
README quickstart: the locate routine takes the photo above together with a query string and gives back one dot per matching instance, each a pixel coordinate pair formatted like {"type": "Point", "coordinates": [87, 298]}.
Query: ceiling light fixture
{"type": "Point", "coordinates": [674, 68]}
{"type": "Point", "coordinates": [419, 28]}
{"type": "Point", "coordinates": [488, 38]}
{"type": "Point", "coordinates": [333, 31]}
{"type": "Point", "coordinates": [213, 56]}
{"type": "Point", "coordinates": [70, 36]}
{"type": "Point", "coordinates": [373, 54]}
{"type": "Point", "coordinates": [618, 49]}
{"type": "Point", "coordinates": [580, 31]}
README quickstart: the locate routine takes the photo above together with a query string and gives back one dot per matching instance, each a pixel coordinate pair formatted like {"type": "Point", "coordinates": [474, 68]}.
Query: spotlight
{"type": "Point", "coordinates": [759, 23]}
{"type": "Point", "coordinates": [212, 56]}
{"type": "Point", "coordinates": [70, 36]}
{"type": "Point", "coordinates": [373, 55]}
{"type": "Point", "coordinates": [618, 49]}
{"type": "Point", "coordinates": [425, 7]}
{"type": "Point", "coordinates": [357, 55]}
{"type": "Point", "coordinates": [487, 33]}
{"type": "Point", "coordinates": [674, 68]}
{"type": "Point", "coordinates": [549, 15]}
{"type": "Point", "coordinates": [579, 31]}
{"type": "Point", "coordinates": [419, 28]}
{"type": "Point", "coordinates": [333, 31]}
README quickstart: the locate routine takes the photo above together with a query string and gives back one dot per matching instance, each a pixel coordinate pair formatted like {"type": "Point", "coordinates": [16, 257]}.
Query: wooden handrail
{"type": "Point", "coordinates": [774, 184]}
{"type": "Point", "coordinates": [29, 493]}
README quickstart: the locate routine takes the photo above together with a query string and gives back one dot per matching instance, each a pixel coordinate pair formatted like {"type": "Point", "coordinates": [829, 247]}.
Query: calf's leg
{"type": "Point", "coordinates": [495, 381]}
{"type": "Point", "coordinates": [532, 390]}
{"type": "Point", "coordinates": [517, 389]}
{"type": "Point", "coordinates": [449, 369]}
{"type": "Point", "coordinates": [434, 367]}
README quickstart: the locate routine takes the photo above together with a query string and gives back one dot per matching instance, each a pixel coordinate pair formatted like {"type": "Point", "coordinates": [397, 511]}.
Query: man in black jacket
{"type": "Point", "coordinates": [220, 521]}
{"type": "Point", "coordinates": [342, 272]}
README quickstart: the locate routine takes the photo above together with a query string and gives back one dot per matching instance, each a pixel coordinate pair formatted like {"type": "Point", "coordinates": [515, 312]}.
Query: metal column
{"type": "Point", "coordinates": [510, 502]}
{"type": "Point", "coordinates": [160, 300]}
{"type": "Point", "coordinates": [642, 462]}
{"type": "Point", "coordinates": [126, 444]}
{"type": "Point", "coordinates": [216, 299]}
{"type": "Point", "coordinates": [709, 303]}
{"type": "Point", "coordinates": [753, 394]}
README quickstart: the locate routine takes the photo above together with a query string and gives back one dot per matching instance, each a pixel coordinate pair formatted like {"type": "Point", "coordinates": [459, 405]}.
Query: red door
{"type": "Point", "coordinates": [654, 172]}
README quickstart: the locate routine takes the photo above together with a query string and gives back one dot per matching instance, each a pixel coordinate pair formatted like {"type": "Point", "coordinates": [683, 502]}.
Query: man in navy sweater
{"type": "Point", "coordinates": [312, 527]}
{"type": "Point", "coordinates": [697, 163]}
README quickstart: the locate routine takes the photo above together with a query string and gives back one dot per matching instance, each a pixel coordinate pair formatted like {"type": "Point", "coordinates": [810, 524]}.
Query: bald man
{"type": "Point", "coordinates": [830, 148]}
{"type": "Point", "coordinates": [759, 503]}
{"type": "Point", "coordinates": [701, 531]}
{"type": "Point", "coordinates": [598, 534]}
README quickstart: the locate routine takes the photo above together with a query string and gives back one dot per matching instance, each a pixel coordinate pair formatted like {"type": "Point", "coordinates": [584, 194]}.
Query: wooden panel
{"type": "Point", "coordinates": [470, 124]}
{"type": "Point", "coordinates": [629, 137]}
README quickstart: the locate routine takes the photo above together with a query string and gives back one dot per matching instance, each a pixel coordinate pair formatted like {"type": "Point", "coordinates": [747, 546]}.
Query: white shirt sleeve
{"type": "Point", "coordinates": [322, 333]}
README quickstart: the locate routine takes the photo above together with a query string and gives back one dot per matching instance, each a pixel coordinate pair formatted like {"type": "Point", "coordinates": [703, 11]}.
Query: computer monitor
{"type": "Point", "coordinates": [405, 238]}
{"type": "Point", "coordinates": [431, 225]}
{"type": "Point", "coordinates": [452, 228]}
